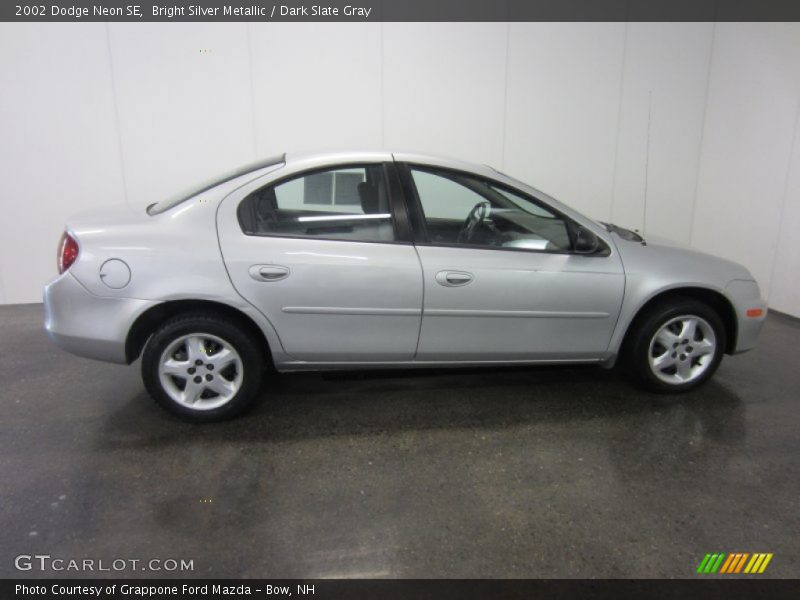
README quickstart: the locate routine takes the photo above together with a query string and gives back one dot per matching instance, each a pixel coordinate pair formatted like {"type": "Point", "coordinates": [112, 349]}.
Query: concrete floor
{"type": "Point", "coordinates": [549, 472]}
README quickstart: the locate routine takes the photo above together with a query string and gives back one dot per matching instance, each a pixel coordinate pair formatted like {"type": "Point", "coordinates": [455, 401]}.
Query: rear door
{"type": "Point", "coordinates": [325, 254]}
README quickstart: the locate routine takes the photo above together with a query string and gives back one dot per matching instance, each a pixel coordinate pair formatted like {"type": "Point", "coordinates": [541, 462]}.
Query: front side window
{"type": "Point", "coordinates": [347, 203]}
{"type": "Point", "coordinates": [461, 209]}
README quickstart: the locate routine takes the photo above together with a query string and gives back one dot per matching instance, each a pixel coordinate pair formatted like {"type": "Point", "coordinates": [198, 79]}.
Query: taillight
{"type": "Point", "coordinates": [67, 252]}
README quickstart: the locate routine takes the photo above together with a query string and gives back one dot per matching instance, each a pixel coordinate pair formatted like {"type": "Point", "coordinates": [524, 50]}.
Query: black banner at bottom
{"type": "Point", "coordinates": [388, 589]}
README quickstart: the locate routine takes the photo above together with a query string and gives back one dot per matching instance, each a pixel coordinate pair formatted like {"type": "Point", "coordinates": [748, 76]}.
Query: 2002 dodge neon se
{"type": "Point", "coordinates": [358, 260]}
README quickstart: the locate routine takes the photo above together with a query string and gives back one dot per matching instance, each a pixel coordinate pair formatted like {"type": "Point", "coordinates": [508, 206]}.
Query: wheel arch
{"type": "Point", "coordinates": [150, 320]}
{"type": "Point", "coordinates": [716, 300]}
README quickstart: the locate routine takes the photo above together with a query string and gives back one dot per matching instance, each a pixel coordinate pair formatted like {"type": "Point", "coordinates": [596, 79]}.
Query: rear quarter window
{"type": "Point", "coordinates": [172, 202]}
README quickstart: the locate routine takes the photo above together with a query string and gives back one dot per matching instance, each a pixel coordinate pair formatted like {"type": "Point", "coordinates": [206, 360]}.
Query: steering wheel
{"type": "Point", "coordinates": [475, 217]}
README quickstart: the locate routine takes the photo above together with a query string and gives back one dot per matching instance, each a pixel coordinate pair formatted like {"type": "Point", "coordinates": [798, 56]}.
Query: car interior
{"type": "Point", "coordinates": [352, 203]}
{"type": "Point", "coordinates": [340, 211]}
{"type": "Point", "coordinates": [464, 210]}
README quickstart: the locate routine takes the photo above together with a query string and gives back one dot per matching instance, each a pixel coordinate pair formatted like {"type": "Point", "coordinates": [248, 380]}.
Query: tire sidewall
{"type": "Point", "coordinates": [247, 348]}
{"type": "Point", "coordinates": [653, 321]}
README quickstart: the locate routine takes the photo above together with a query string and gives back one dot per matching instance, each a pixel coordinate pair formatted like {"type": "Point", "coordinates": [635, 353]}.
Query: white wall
{"type": "Point", "coordinates": [59, 147]}
{"type": "Point", "coordinates": [316, 86]}
{"type": "Point", "coordinates": [784, 291]}
{"type": "Point", "coordinates": [684, 130]}
{"type": "Point", "coordinates": [183, 101]}
{"type": "Point", "coordinates": [563, 108]}
{"type": "Point", "coordinates": [747, 197]}
{"type": "Point", "coordinates": [444, 87]}
{"type": "Point", "coordinates": [662, 103]}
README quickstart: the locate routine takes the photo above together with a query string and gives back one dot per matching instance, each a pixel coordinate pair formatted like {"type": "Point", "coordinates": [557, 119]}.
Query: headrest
{"type": "Point", "coordinates": [369, 198]}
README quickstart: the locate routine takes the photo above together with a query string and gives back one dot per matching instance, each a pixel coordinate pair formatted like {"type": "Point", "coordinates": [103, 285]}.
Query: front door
{"type": "Point", "coordinates": [501, 282]}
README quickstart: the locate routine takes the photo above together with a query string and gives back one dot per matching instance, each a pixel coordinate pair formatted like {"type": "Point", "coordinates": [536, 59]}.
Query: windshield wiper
{"type": "Point", "coordinates": [625, 234]}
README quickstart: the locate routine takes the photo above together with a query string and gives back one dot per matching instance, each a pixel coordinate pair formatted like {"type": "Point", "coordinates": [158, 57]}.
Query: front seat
{"type": "Point", "coordinates": [266, 211]}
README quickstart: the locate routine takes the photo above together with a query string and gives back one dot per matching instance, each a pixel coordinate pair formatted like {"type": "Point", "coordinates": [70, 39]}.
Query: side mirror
{"type": "Point", "coordinates": [586, 242]}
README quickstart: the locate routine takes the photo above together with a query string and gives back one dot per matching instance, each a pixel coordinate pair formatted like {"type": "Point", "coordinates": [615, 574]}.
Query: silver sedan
{"type": "Point", "coordinates": [378, 260]}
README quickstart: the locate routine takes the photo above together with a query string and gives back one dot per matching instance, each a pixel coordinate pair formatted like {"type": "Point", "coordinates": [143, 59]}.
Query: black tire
{"type": "Point", "coordinates": [638, 350]}
{"type": "Point", "coordinates": [245, 344]}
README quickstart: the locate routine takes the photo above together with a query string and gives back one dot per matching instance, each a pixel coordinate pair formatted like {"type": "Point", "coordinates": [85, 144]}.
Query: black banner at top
{"type": "Point", "coordinates": [399, 10]}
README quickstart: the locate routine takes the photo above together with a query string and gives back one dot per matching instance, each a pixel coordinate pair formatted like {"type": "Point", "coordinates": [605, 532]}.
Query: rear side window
{"type": "Point", "coordinates": [342, 203]}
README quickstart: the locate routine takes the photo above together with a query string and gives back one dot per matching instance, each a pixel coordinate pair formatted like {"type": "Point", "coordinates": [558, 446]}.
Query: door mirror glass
{"type": "Point", "coordinates": [586, 242]}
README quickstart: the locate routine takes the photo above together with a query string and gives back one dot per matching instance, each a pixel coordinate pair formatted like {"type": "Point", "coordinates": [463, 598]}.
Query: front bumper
{"type": "Point", "coordinates": [88, 325]}
{"type": "Point", "coordinates": [745, 296]}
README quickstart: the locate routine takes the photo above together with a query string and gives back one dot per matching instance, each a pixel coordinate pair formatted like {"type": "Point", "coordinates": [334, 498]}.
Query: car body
{"type": "Point", "coordinates": [376, 259]}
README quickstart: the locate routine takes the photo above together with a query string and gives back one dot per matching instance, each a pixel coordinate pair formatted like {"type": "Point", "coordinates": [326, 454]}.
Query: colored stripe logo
{"type": "Point", "coordinates": [735, 563]}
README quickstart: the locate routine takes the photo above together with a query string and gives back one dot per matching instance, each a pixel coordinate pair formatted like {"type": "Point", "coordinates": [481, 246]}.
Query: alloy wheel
{"type": "Point", "coordinates": [200, 371]}
{"type": "Point", "coordinates": [682, 349]}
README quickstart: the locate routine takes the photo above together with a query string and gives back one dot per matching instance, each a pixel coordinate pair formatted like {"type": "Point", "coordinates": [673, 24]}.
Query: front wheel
{"type": "Point", "coordinates": [677, 346]}
{"type": "Point", "coordinates": [202, 368]}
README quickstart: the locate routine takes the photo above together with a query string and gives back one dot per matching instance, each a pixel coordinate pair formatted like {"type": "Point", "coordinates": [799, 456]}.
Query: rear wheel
{"type": "Point", "coordinates": [202, 367]}
{"type": "Point", "coordinates": [677, 345]}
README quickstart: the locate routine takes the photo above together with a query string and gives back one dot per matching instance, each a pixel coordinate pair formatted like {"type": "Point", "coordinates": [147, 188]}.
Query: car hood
{"type": "Point", "coordinates": [676, 260]}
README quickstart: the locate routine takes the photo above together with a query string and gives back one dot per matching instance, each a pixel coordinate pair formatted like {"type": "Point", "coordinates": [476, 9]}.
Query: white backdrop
{"type": "Point", "coordinates": [687, 131]}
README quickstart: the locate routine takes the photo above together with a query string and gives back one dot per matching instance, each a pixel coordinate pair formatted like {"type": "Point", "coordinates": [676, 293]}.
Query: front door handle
{"type": "Point", "coordinates": [454, 278]}
{"type": "Point", "coordinates": [269, 272]}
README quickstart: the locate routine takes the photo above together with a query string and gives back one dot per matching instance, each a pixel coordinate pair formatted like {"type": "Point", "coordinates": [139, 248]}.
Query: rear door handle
{"type": "Point", "coordinates": [454, 278]}
{"type": "Point", "coordinates": [269, 272]}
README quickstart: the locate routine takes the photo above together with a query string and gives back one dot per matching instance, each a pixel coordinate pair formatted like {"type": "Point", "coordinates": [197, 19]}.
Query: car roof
{"type": "Point", "coordinates": [327, 158]}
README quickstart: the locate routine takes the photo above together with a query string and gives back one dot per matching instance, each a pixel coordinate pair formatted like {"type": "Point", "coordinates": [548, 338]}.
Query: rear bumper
{"type": "Point", "coordinates": [745, 295]}
{"type": "Point", "coordinates": [88, 325]}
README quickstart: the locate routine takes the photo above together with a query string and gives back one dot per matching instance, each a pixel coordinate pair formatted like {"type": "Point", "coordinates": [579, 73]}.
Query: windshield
{"type": "Point", "coordinates": [173, 201]}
